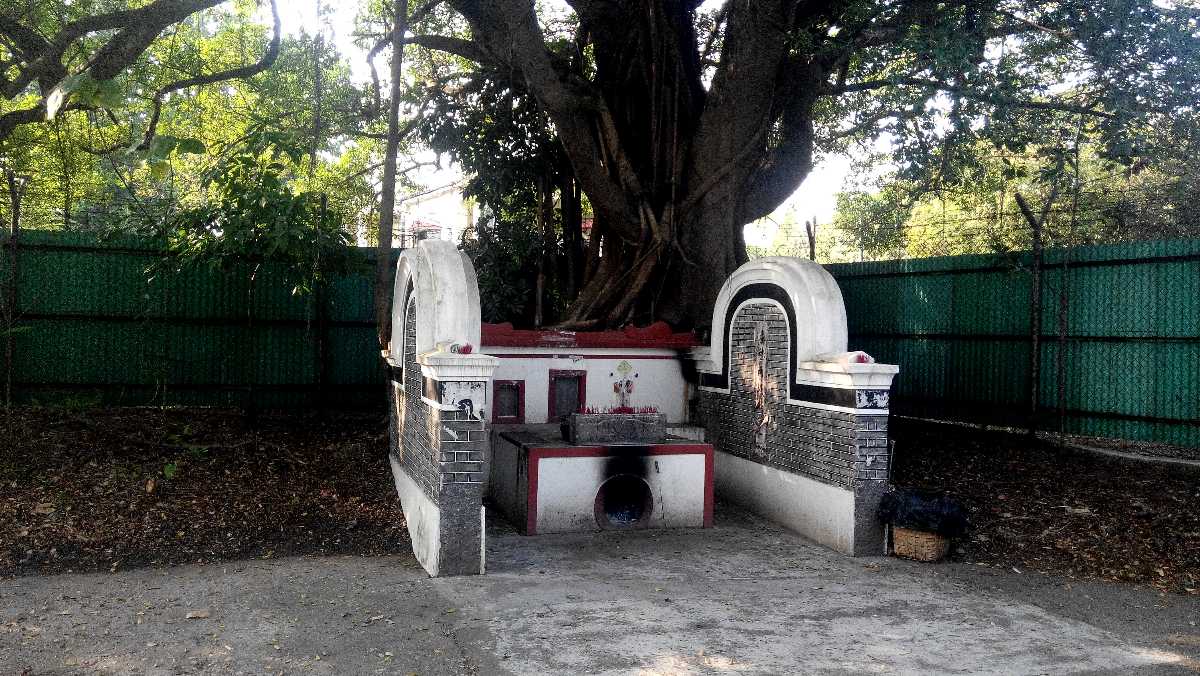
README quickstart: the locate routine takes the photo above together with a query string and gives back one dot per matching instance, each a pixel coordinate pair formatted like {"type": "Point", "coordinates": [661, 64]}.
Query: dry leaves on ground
{"type": "Point", "coordinates": [1035, 506]}
{"type": "Point", "coordinates": [105, 489]}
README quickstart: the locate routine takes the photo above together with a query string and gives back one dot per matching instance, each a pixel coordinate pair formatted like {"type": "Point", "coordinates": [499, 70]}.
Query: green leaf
{"type": "Point", "coordinates": [161, 146]}
{"type": "Point", "coordinates": [190, 145]}
{"type": "Point", "coordinates": [108, 94]}
{"type": "Point", "coordinates": [159, 169]}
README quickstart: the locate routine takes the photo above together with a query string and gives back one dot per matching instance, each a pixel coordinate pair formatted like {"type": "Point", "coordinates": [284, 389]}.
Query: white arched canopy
{"type": "Point", "coordinates": [817, 310]}
{"type": "Point", "coordinates": [447, 297]}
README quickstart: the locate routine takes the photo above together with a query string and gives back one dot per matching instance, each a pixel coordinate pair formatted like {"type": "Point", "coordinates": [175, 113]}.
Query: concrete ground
{"type": "Point", "coordinates": [742, 598]}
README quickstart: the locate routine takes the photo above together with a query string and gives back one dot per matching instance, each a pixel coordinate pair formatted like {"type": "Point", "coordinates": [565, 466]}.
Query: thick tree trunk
{"type": "Point", "coordinates": [546, 260]}
{"type": "Point", "coordinates": [572, 229]}
{"type": "Point", "coordinates": [672, 169]}
{"type": "Point", "coordinates": [675, 282]}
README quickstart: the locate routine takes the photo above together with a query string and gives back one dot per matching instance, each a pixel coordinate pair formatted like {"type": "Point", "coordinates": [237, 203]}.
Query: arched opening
{"type": "Point", "coordinates": [624, 501]}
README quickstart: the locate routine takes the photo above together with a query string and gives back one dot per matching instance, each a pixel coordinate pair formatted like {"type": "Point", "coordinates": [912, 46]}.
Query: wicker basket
{"type": "Point", "coordinates": [918, 545]}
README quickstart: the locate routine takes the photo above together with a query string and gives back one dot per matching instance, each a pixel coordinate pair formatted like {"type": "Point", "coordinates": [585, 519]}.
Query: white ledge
{"type": "Point", "coordinates": [457, 366]}
{"type": "Point", "coordinates": [702, 355]}
{"type": "Point", "coordinates": [849, 376]}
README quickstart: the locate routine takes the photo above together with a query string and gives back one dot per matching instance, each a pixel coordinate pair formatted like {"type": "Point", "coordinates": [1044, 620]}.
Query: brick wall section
{"type": "Point", "coordinates": [413, 417]}
{"type": "Point", "coordinates": [833, 447]}
{"type": "Point", "coordinates": [443, 452]}
{"type": "Point", "coordinates": [439, 447]}
{"type": "Point", "coordinates": [461, 446]}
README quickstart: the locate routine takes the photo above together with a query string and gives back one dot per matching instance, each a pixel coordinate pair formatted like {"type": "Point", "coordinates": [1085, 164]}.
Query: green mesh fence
{"type": "Point", "coordinates": [92, 325]}
{"type": "Point", "coordinates": [1119, 346]}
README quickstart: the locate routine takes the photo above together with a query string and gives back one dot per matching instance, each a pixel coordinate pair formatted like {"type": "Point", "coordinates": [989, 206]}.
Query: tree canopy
{"type": "Point", "coordinates": [674, 122]}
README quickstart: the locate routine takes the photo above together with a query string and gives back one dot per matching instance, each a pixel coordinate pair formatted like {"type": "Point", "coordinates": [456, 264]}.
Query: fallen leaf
{"type": "Point", "coordinates": [150, 485]}
{"type": "Point", "coordinates": [1082, 511]}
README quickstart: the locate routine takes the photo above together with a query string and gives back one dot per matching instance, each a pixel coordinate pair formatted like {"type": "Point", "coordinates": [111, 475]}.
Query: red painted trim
{"type": "Point", "coordinates": [566, 355]}
{"type": "Point", "coordinates": [519, 419]}
{"type": "Point", "coordinates": [531, 499]}
{"type": "Point", "coordinates": [655, 335]}
{"type": "Point", "coordinates": [551, 414]}
{"type": "Point", "coordinates": [536, 455]}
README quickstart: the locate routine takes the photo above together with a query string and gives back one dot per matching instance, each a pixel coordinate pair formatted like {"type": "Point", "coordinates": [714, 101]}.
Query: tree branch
{"type": "Point", "coordinates": [785, 166]}
{"type": "Point", "coordinates": [508, 32]}
{"type": "Point", "coordinates": [994, 99]}
{"type": "Point", "coordinates": [15, 118]}
{"type": "Point", "coordinates": [41, 58]}
{"type": "Point", "coordinates": [133, 25]}
{"type": "Point", "coordinates": [467, 49]}
{"type": "Point", "coordinates": [743, 92]}
{"type": "Point", "coordinates": [267, 60]}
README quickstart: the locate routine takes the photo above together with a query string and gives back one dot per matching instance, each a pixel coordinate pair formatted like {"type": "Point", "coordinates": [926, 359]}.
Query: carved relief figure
{"type": "Point", "coordinates": [623, 385]}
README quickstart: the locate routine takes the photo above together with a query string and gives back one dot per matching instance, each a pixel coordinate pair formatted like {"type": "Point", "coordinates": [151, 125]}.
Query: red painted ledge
{"type": "Point", "coordinates": [657, 335]}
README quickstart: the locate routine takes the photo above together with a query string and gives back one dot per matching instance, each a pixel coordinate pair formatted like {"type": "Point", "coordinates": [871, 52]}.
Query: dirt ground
{"type": "Point", "coordinates": [106, 489]}
{"type": "Point", "coordinates": [1038, 507]}
{"type": "Point", "coordinates": [111, 488]}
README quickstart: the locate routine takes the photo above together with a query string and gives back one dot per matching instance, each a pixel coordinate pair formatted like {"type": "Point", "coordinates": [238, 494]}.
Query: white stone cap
{"type": "Point", "coordinates": [702, 355]}
{"type": "Point", "coordinates": [457, 366]}
{"type": "Point", "coordinates": [855, 376]}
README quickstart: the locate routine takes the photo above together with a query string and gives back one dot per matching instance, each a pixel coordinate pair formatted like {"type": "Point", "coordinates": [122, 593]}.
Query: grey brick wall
{"type": "Point", "coordinates": [412, 418]}
{"type": "Point", "coordinates": [443, 452]}
{"type": "Point", "coordinates": [834, 447]}
{"type": "Point", "coordinates": [461, 447]}
{"type": "Point", "coordinates": [439, 447]}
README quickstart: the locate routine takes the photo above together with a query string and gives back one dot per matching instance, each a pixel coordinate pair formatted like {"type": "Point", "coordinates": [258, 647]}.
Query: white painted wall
{"type": "Point", "coordinates": [567, 492]}
{"type": "Point", "coordinates": [423, 517]}
{"type": "Point", "coordinates": [447, 293]}
{"type": "Point", "coordinates": [819, 511]}
{"type": "Point", "coordinates": [815, 296]}
{"type": "Point", "coordinates": [659, 382]}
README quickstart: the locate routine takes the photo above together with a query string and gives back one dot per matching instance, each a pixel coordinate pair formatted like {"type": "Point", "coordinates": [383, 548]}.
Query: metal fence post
{"type": "Point", "coordinates": [8, 315]}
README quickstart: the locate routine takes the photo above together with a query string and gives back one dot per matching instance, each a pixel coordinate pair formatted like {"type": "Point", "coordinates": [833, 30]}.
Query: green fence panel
{"type": "Point", "coordinates": [1119, 344]}
{"type": "Point", "coordinates": [1127, 366]}
{"type": "Point", "coordinates": [105, 319]}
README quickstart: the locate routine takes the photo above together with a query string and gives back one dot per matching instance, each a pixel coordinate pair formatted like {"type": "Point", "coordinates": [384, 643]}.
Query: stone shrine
{"type": "Point", "coordinates": [774, 414]}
